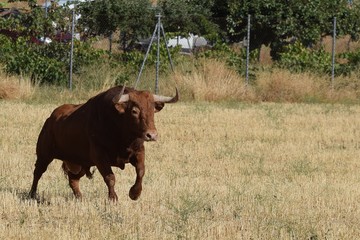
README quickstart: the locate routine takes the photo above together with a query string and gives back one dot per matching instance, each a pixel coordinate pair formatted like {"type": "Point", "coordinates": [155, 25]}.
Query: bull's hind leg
{"type": "Point", "coordinates": [40, 167]}
{"type": "Point", "coordinates": [74, 172]}
{"type": "Point", "coordinates": [74, 180]}
{"type": "Point", "coordinates": [44, 152]}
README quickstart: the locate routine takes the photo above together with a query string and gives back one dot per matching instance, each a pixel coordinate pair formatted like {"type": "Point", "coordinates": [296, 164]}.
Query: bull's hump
{"type": "Point", "coordinates": [65, 110]}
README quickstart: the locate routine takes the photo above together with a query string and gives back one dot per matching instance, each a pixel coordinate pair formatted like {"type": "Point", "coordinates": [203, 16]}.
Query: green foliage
{"type": "Point", "coordinates": [352, 63]}
{"type": "Point", "coordinates": [133, 18]}
{"type": "Point", "coordinates": [298, 58]}
{"type": "Point", "coordinates": [85, 54]}
{"type": "Point", "coordinates": [353, 59]}
{"type": "Point", "coordinates": [100, 17]}
{"type": "Point", "coordinates": [45, 63]}
{"type": "Point", "coordinates": [5, 49]}
{"type": "Point", "coordinates": [122, 78]}
{"type": "Point", "coordinates": [274, 22]}
{"type": "Point", "coordinates": [188, 16]}
{"type": "Point", "coordinates": [27, 61]}
{"type": "Point", "coordinates": [133, 60]}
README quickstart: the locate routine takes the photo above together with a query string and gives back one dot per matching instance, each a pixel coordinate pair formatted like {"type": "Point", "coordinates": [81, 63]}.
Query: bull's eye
{"type": "Point", "coordinates": [135, 112]}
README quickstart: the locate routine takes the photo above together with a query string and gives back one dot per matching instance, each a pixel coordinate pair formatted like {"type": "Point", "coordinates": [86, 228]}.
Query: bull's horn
{"type": "Point", "coordinates": [164, 99]}
{"type": "Point", "coordinates": [121, 98]}
{"type": "Point", "coordinates": [124, 98]}
{"type": "Point", "coordinates": [122, 90]}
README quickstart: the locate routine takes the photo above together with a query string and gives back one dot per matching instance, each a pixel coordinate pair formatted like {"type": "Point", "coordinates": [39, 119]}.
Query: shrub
{"type": "Point", "coordinates": [298, 58]}
{"type": "Point", "coordinates": [135, 58]}
{"type": "Point", "coordinates": [352, 62]}
{"type": "Point", "coordinates": [48, 63]}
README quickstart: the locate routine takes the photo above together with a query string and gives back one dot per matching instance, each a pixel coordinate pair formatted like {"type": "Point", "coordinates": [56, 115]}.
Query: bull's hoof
{"type": "Point", "coordinates": [78, 196]}
{"type": "Point", "coordinates": [134, 193]}
{"type": "Point", "coordinates": [113, 197]}
{"type": "Point", "coordinates": [32, 195]}
{"type": "Point", "coordinates": [37, 198]}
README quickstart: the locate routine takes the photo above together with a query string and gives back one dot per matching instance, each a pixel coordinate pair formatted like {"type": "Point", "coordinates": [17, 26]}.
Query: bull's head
{"type": "Point", "coordinates": [140, 107]}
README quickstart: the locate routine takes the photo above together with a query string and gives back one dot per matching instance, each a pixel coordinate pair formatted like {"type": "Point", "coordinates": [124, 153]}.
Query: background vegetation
{"type": "Point", "coordinates": [293, 35]}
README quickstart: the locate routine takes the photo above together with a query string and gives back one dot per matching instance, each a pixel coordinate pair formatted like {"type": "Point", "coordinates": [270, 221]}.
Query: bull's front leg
{"type": "Point", "coordinates": [109, 179]}
{"type": "Point", "coordinates": [138, 162]}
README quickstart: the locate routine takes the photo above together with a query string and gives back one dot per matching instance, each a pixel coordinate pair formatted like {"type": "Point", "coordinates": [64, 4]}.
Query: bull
{"type": "Point", "coordinates": [107, 131]}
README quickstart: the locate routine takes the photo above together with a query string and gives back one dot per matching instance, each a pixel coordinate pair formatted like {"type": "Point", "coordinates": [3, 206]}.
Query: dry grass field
{"type": "Point", "coordinates": [218, 171]}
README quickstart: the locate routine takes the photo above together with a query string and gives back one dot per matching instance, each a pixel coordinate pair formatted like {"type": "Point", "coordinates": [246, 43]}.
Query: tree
{"type": "Point", "coordinates": [184, 17]}
{"type": "Point", "coordinates": [104, 17]}
{"type": "Point", "coordinates": [99, 17]}
{"type": "Point", "coordinates": [219, 14]}
{"type": "Point", "coordinates": [274, 22]}
{"type": "Point", "coordinates": [137, 22]}
{"type": "Point", "coordinates": [22, 53]}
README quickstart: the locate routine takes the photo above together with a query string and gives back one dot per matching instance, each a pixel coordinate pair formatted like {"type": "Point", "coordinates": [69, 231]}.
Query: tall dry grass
{"type": "Point", "coordinates": [218, 171]}
{"type": "Point", "coordinates": [15, 87]}
{"type": "Point", "coordinates": [197, 80]}
{"type": "Point", "coordinates": [277, 85]}
{"type": "Point", "coordinates": [212, 80]}
{"type": "Point", "coordinates": [283, 86]}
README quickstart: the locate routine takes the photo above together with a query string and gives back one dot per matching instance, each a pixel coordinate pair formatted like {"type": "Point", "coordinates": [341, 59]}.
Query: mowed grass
{"type": "Point", "coordinates": [218, 171]}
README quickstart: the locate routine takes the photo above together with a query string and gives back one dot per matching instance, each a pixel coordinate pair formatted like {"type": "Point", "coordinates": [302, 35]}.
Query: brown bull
{"type": "Point", "coordinates": [108, 130]}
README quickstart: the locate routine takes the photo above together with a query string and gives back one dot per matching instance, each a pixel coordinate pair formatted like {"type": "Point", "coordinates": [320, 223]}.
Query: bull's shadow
{"type": "Point", "coordinates": [40, 199]}
{"type": "Point", "coordinates": [24, 196]}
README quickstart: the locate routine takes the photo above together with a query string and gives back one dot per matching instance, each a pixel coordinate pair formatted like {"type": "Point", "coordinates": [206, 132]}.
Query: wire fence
{"type": "Point", "coordinates": [247, 43]}
{"type": "Point", "coordinates": [160, 30]}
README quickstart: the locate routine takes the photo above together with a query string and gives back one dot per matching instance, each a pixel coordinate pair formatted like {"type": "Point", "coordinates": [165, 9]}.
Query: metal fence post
{"type": "Point", "coordinates": [110, 42]}
{"type": "Point", "coordinates": [46, 8]}
{"type": "Point", "coordinates": [145, 58]}
{"type": "Point", "coordinates": [158, 54]}
{"type": "Point", "coordinates": [157, 33]}
{"type": "Point", "coordinates": [72, 48]}
{"type": "Point", "coordinates": [247, 52]}
{"type": "Point", "coordinates": [333, 55]}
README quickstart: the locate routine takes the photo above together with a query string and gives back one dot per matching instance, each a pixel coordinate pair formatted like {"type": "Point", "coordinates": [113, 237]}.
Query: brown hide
{"type": "Point", "coordinates": [108, 130]}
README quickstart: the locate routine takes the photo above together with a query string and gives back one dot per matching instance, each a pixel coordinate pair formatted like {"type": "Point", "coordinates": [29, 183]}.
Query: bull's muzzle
{"type": "Point", "coordinates": [151, 135]}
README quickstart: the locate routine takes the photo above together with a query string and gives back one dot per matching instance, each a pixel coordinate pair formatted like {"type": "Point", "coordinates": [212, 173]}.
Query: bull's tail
{"type": "Point", "coordinates": [65, 169]}
{"type": "Point", "coordinates": [89, 174]}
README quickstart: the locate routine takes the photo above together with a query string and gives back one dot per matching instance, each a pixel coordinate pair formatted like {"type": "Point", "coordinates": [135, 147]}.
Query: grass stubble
{"type": "Point", "coordinates": [236, 169]}
{"type": "Point", "coordinates": [218, 171]}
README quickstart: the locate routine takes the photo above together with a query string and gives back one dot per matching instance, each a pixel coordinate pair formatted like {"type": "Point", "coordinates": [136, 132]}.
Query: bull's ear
{"type": "Point", "coordinates": [121, 107]}
{"type": "Point", "coordinates": [159, 106]}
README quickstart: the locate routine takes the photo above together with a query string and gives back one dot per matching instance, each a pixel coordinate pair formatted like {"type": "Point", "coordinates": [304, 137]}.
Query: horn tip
{"type": "Point", "coordinates": [176, 98]}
